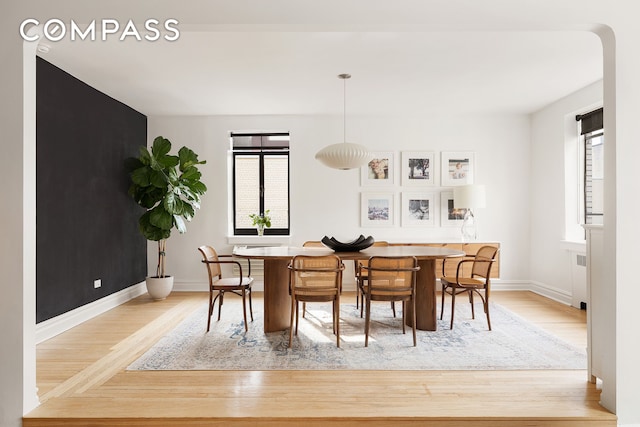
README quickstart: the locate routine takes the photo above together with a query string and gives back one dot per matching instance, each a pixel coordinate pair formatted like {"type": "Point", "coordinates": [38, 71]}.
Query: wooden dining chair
{"type": "Point", "coordinates": [478, 281]}
{"type": "Point", "coordinates": [315, 279]}
{"type": "Point", "coordinates": [361, 275]}
{"type": "Point", "coordinates": [238, 285]}
{"type": "Point", "coordinates": [392, 279]}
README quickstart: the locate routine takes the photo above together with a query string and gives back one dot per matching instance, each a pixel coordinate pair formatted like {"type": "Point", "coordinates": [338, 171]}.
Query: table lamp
{"type": "Point", "coordinates": [469, 197]}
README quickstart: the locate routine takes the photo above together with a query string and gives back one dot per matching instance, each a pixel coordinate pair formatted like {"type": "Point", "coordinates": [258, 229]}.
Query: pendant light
{"type": "Point", "coordinates": [345, 155]}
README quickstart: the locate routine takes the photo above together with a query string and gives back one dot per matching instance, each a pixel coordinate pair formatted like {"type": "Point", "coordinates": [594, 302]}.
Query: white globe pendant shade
{"type": "Point", "coordinates": [344, 155]}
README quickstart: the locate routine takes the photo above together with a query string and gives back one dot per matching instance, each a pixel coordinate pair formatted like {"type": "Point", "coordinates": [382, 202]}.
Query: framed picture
{"type": "Point", "coordinates": [377, 209]}
{"type": "Point", "coordinates": [418, 209]}
{"type": "Point", "coordinates": [379, 170]}
{"type": "Point", "coordinates": [450, 216]}
{"type": "Point", "coordinates": [418, 168]}
{"type": "Point", "coordinates": [457, 168]}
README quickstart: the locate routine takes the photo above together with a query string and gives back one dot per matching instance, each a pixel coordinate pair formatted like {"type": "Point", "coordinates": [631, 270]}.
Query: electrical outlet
{"type": "Point", "coordinates": [97, 283]}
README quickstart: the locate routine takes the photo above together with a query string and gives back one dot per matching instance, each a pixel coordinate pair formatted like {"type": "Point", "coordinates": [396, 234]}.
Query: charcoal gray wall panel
{"type": "Point", "coordinates": [86, 223]}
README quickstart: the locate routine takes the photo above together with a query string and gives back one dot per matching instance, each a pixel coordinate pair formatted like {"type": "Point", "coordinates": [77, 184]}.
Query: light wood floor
{"type": "Point", "coordinates": [82, 382]}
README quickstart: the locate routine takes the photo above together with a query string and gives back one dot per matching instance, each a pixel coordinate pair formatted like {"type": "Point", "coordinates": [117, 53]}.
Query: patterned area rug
{"type": "Point", "coordinates": [514, 343]}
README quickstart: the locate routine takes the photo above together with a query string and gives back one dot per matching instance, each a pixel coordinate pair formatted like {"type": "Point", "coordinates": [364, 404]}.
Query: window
{"type": "Point", "coordinates": [260, 181]}
{"type": "Point", "coordinates": [592, 161]}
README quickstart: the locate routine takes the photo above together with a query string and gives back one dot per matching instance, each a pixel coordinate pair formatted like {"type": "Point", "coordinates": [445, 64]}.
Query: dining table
{"type": "Point", "coordinates": [277, 300]}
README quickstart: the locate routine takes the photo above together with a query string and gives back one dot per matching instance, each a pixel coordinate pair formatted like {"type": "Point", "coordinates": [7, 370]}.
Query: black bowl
{"type": "Point", "coordinates": [356, 245]}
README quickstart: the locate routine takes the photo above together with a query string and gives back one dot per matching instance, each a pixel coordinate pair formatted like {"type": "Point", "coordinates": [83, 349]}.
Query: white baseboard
{"type": "Point", "coordinates": [52, 327]}
{"type": "Point", "coordinates": [550, 292]}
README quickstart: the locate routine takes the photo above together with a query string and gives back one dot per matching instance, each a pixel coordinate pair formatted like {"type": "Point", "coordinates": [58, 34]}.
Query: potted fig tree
{"type": "Point", "coordinates": [169, 188]}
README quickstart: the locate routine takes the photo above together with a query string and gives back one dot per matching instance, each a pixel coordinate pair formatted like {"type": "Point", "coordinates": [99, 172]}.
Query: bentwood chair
{"type": "Point", "coordinates": [390, 279]}
{"type": "Point", "coordinates": [313, 244]}
{"type": "Point", "coordinates": [361, 275]}
{"type": "Point", "coordinates": [477, 282]}
{"type": "Point", "coordinates": [238, 285]}
{"type": "Point", "coordinates": [315, 279]}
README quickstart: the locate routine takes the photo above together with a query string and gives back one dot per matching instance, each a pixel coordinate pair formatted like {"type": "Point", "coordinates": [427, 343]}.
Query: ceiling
{"type": "Point", "coordinates": [393, 73]}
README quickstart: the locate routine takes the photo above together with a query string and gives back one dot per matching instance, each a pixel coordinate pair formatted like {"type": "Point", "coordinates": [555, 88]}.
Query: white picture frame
{"type": "Point", "coordinates": [418, 168]}
{"type": "Point", "coordinates": [418, 209]}
{"type": "Point", "coordinates": [379, 170]}
{"type": "Point", "coordinates": [450, 216]}
{"type": "Point", "coordinates": [377, 209]}
{"type": "Point", "coordinates": [457, 168]}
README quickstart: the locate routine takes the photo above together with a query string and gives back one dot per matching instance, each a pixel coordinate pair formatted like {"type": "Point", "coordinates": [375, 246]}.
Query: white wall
{"type": "Point", "coordinates": [327, 202]}
{"type": "Point", "coordinates": [550, 127]}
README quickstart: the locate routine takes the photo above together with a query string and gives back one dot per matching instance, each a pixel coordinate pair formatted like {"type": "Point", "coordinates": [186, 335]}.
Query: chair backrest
{"type": "Point", "coordinates": [485, 257]}
{"type": "Point", "coordinates": [315, 275]}
{"type": "Point", "coordinates": [210, 254]}
{"type": "Point", "coordinates": [392, 275]}
{"type": "Point", "coordinates": [313, 244]}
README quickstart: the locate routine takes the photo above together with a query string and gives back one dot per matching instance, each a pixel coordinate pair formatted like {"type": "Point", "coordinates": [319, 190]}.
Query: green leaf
{"type": "Point", "coordinates": [158, 179]}
{"type": "Point", "coordinates": [151, 232]}
{"type": "Point", "coordinates": [161, 146]}
{"type": "Point", "coordinates": [141, 176]}
{"type": "Point", "coordinates": [188, 158]}
{"type": "Point", "coordinates": [191, 174]}
{"type": "Point", "coordinates": [145, 156]}
{"type": "Point", "coordinates": [198, 187]}
{"type": "Point", "coordinates": [166, 162]}
{"type": "Point", "coordinates": [160, 218]}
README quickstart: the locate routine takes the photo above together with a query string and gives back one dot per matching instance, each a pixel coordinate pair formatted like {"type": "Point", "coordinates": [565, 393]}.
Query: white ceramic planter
{"type": "Point", "coordinates": [159, 287]}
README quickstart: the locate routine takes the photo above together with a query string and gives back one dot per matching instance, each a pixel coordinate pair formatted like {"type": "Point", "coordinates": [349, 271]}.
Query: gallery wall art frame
{"type": "Point", "coordinates": [418, 209]}
{"type": "Point", "coordinates": [457, 168]}
{"type": "Point", "coordinates": [418, 168]}
{"type": "Point", "coordinates": [377, 209]}
{"type": "Point", "coordinates": [379, 170]}
{"type": "Point", "coordinates": [450, 216]}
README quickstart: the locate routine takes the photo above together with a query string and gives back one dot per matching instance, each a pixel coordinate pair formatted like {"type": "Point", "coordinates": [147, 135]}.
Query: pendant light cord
{"type": "Point", "coordinates": [344, 78]}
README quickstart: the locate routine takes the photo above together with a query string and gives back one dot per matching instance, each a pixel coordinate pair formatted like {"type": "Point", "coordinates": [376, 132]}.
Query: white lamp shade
{"type": "Point", "coordinates": [469, 196]}
{"type": "Point", "coordinates": [344, 155]}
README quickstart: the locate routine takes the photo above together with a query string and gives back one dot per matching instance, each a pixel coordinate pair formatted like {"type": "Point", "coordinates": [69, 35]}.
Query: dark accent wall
{"type": "Point", "coordinates": [87, 225]}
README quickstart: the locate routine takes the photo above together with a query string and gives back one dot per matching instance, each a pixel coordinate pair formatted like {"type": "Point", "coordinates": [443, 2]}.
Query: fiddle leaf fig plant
{"type": "Point", "coordinates": [169, 188]}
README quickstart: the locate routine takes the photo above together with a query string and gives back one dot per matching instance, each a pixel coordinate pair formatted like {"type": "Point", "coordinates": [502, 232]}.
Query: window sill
{"type": "Point", "coordinates": [574, 245]}
{"type": "Point", "coordinates": [259, 240]}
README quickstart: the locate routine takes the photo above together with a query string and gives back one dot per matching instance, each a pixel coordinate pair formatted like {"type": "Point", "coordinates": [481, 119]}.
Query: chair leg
{"type": "Point", "coordinates": [404, 319]}
{"type": "Point", "coordinates": [366, 321]}
{"type": "Point", "coordinates": [453, 306]}
{"type": "Point", "coordinates": [250, 305]}
{"type": "Point", "coordinates": [393, 308]}
{"type": "Point", "coordinates": [293, 307]}
{"type": "Point", "coordinates": [244, 310]}
{"type": "Point", "coordinates": [473, 312]}
{"type": "Point", "coordinates": [297, 317]}
{"type": "Point", "coordinates": [220, 302]}
{"type": "Point", "coordinates": [486, 308]}
{"type": "Point", "coordinates": [442, 303]}
{"type": "Point", "coordinates": [336, 319]}
{"type": "Point", "coordinates": [304, 309]}
{"type": "Point", "coordinates": [211, 300]}
{"type": "Point", "coordinates": [413, 302]}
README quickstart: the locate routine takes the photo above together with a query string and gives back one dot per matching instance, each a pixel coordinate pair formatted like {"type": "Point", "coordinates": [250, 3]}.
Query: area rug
{"type": "Point", "coordinates": [513, 343]}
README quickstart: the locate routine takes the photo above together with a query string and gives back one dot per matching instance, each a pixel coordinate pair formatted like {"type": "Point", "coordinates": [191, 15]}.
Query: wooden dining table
{"type": "Point", "coordinates": [277, 301]}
